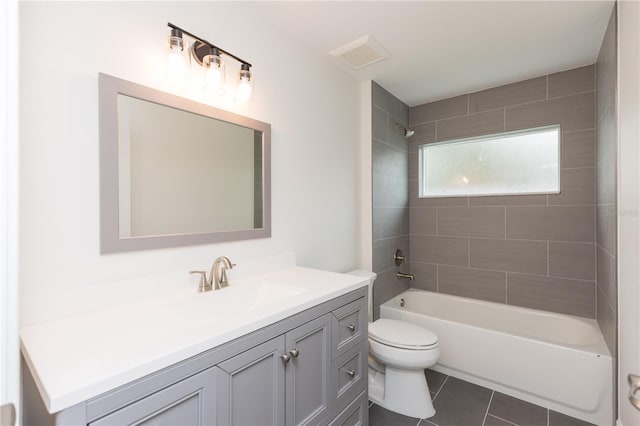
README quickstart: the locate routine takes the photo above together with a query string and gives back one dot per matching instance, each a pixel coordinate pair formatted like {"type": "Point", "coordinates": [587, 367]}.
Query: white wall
{"type": "Point", "coordinates": [311, 105]}
{"type": "Point", "coordinates": [629, 205]}
{"type": "Point", "coordinates": [9, 345]}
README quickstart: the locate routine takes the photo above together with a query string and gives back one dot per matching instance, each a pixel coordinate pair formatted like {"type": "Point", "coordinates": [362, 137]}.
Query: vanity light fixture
{"type": "Point", "coordinates": [209, 56]}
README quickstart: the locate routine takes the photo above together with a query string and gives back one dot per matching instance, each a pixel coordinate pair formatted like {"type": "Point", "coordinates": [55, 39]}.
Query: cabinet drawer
{"type": "Point", "coordinates": [356, 413]}
{"type": "Point", "coordinates": [349, 326]}
{"type": "Point", "coordinates": [349, 375]}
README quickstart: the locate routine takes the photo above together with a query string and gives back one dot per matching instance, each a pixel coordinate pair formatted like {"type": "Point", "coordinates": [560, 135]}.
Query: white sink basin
{"type": "Point", "coordinates": [225, 305]}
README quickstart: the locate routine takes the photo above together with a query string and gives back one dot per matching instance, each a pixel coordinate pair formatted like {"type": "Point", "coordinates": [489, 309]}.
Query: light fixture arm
{"type": "Point", "coordinates": [211, 45]}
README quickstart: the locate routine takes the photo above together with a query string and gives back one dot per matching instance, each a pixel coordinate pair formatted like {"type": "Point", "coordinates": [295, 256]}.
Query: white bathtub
{"type": "Point", "coordinates": [553, 360]}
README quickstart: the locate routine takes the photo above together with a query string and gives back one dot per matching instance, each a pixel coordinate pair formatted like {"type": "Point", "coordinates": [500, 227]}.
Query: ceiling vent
{"type": "Point", "coordinates": [361, 52]}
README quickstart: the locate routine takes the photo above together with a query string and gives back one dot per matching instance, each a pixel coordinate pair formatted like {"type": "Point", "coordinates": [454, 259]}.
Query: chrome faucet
{"type": "Point", "coordinates": [217, 277]}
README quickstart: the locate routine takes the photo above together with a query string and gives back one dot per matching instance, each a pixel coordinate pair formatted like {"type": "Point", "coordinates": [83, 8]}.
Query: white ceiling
{"type": "Point", "coordinates": [445, 48]}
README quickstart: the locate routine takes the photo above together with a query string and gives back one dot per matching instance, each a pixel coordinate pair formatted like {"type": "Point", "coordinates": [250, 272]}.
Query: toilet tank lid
{"type": "Point", "coordinates": [401, 334]}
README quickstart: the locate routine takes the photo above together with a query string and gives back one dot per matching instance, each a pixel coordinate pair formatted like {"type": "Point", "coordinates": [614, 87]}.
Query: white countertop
{"type": "Point", "coordinates": [79, 357]}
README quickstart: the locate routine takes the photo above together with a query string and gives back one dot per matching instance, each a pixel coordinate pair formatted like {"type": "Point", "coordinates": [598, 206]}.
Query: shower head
{"type": "Point", "coordinates": [406, 132]}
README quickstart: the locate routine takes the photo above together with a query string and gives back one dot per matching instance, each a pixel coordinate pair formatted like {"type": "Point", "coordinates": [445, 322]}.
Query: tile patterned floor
{"type": "Point", "coordinates": [459, 403]}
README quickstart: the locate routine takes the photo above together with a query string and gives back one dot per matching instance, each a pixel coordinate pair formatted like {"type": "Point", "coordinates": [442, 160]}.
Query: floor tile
{"type": "Point", "coordinates": [379, 416]}
{"type": "Point", "coordinates": [460, 404]}
{"type": "Point", "coordinates": [517, 411]}
{"type": "Point", "coordinates": [558, 419]}
{"type": "Point", "coordinates": [435, 380]}
{"type": "Point", "coordinates": [495, 421]}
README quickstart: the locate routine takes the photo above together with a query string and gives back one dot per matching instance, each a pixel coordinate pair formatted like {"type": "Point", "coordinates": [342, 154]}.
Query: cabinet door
{"type": "Point", "coordinates": [190, 402]}
{"type": "Point", "coordinates": [251, 386]}
{"type": "Point", "coordinates": [308, 373]}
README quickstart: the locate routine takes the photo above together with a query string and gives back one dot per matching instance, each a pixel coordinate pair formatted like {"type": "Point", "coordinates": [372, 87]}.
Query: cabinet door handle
{"type": "Point", "coordinates": [285, 358]}
{"type": "Point", "coordinates": [294, 353]}
{"type": "Point", "coordinates": [350, 373]}
{"type": "Point", "coordinates": [351, 328]}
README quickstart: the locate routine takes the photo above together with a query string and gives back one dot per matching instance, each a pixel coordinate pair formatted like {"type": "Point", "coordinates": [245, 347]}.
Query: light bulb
{"type": "Point", "coordinates": [244, 92]}
{"type": "Point", "coordinates": [214, 75]}
{"type": "Point", "coordinates": [245, 84]}
{"type": "Point", "coordinates": [177, 66]}
{"type": "Point", "coordinates": [177, 59]}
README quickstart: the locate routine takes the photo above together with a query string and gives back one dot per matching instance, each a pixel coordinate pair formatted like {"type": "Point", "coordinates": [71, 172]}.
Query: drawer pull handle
{"type": "Point", "coordinates": [351, 328]}
{"type": "Point", "coordinates": [285, 358]}
{"type": "Point", "coordinates": [294, 353]}
{"type": "Point", "coordinates": [350, 373]}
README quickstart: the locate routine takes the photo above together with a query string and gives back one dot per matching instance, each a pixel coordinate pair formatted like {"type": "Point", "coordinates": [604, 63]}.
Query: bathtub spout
{"type": "Point", "coordinates": [410, 277]}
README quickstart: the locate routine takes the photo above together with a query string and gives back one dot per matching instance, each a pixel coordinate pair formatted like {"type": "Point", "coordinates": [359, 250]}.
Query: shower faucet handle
{"type": "Point", "coordinates": [398, 257]}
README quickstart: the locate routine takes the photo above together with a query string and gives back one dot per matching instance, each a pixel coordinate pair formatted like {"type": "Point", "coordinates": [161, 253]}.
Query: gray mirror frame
{"type": "Point", "coordinates": [110, 240]}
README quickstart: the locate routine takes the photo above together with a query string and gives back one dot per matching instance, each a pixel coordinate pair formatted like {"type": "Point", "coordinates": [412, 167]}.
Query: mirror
{"type": "Point", "coordinates": [175, 172]}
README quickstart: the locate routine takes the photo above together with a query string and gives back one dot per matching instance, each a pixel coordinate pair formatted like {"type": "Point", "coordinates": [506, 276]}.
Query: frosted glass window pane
{"type": "Point", "coordinates": [523, 162]}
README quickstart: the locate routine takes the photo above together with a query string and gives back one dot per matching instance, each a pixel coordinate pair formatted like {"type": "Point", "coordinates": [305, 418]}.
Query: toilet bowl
{"type": "Point", "coordinates": [399, 352]}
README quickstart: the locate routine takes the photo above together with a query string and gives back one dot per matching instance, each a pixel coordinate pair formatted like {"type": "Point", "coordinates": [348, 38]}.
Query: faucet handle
{"type": "Point", "coordinates": [203, 285]}
{"type": "Point", "coordinates": [224, 282]}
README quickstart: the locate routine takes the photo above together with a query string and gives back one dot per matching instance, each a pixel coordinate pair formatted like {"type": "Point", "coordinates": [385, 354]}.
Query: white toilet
{"type": "Point", "coordinates": [399, 352]}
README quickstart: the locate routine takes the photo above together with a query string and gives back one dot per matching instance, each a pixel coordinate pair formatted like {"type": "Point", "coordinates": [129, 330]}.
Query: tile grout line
{"type": "Point", "coordinates": [499, 270]}
{"type": "Point", "coordinates": [505, 222]}
{"type": "Point", "coordinates": [441, 386]}
{"type": "Point", "coordinates": [546, 98]}
{"type": "Point", "coordinates": [506, 288]}
{"type": "Point", "coordinates": [488, 405]}
{"type": "Point", "coordinates": [548, 267]}
{"type": "Point", "coordinates": [547, 417]}
{"type": "Point", "coordinates": [500, 239]}
{"type": "Point", "coordinates": [504, 119]}
{"type": "Point", "coordinates": [504, 420]}
{"type": "Point", "coordinates": [547, 84]}
{"type": "Point", "coordinates": [514, 106]}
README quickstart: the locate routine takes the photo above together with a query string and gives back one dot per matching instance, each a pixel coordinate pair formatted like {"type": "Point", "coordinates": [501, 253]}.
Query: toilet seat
{"type": "Point", "coordinates": [402, 334]}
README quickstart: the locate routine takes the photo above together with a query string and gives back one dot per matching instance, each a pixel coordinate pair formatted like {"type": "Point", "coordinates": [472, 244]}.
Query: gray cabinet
{"type": "Point", "coordinates": [288, 374]}
{"type": "Point", "coordinates": [307, 369]}
{"type": "Point", "coordinates": [308, 379]}
{"type": "Point", "coordinates": [251, 386]}
{"type": "Point", "coordinates": [190, 402]}
{"type": "Point", "coordinates": [356, 413]}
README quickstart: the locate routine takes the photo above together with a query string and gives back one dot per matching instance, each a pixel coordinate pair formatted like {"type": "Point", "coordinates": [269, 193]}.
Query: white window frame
{"type": "Point", "coordinates": [421, 147]}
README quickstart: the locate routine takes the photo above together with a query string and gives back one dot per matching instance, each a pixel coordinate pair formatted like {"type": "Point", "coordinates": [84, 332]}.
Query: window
{"type": "Point", "coordinates": [511, 163]}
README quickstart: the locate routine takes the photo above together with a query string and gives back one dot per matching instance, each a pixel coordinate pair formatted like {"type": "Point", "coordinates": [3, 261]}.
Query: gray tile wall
{"type": "Point", "coordinates": [390, 193]}
{"type": "Point", "coordinates": [606, 176]}
{"type": "Point", "coordinates": [536, 251]}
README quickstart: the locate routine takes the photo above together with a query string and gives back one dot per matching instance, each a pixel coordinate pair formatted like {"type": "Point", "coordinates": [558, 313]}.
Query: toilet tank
{"type": "Point", "coordinates": [372, 277]}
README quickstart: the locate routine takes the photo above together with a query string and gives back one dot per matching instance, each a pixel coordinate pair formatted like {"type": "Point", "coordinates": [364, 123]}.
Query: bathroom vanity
{"type": "Point", "coordinates": [283, 348]}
